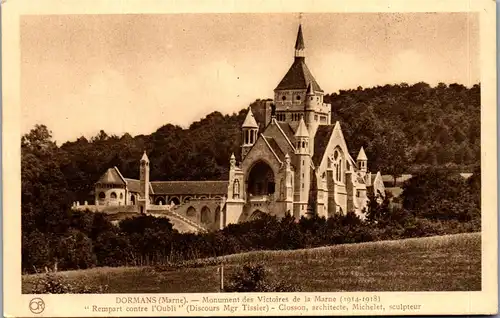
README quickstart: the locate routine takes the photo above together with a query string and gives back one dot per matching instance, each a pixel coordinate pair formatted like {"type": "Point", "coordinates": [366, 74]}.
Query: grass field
{"type": "Point", "coordinates": [441, 263]}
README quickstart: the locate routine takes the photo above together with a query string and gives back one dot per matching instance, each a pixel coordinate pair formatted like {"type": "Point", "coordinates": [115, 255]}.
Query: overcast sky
{"type": "Point", "coordinates": [135, 73]}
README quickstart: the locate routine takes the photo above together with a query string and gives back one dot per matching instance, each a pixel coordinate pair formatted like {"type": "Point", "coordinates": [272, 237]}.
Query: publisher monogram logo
{"type": "Point", "coordinates": [37, 305]}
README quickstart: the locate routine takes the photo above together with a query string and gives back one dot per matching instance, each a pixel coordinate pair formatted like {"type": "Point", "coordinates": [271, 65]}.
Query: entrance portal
{"type": "Point", "coordinates": [257, 214]}
{"type": "Point", "coordinates": [261, 180]}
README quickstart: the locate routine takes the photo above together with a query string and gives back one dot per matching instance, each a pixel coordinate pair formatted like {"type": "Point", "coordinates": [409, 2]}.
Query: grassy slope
{"type": "Point", "coordinates": [442, 263]}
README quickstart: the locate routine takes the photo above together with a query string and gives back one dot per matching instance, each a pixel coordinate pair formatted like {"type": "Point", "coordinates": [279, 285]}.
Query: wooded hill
{"type": "Point", "coordinates": [403, 128]}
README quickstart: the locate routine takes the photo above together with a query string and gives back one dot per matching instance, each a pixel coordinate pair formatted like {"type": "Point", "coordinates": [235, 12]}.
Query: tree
{"type": "Point", "coordinates": [440, 194]}
{"type": "Point", "coordinates": [256, 278]}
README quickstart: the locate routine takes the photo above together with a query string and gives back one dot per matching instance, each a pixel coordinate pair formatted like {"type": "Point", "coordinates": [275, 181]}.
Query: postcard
{"type": "Point", "coordinates": [248, 158]}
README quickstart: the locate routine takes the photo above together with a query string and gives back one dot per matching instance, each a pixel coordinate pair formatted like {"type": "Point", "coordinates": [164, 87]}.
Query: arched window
{"type": "Point", "coordinates": [236, 189]}
{"type": "Point", "coordinates": [337, 162]}
{"type": "Point", "coordinates": [340, 170]}
{"type": "Point", "coordinates": [191, 212]}
{"type": "Point", "coordinates": [205, 215]}
{"type": "Point", "coordinates": [113, 195]}
{"type": "Point", "coordinates": [132, 199]}
{"type": "Point", "coordinates": [121, 195]}
{"type": "Point", "coordinates": [102, 195]}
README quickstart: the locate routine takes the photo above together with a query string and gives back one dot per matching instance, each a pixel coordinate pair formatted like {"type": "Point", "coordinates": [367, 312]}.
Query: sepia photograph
{"type": "Point", "coordinates": [247, 157]}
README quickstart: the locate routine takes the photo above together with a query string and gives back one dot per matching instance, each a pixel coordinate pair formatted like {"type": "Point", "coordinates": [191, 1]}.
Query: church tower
{"type": "Point", "coordinates": [303, 170]}
{"type": "Point", "coordinates": [249, 131]}
{"type": "Point", "coordinates": [298, 94]}
{"type": "Point", "coordinates": [144, 183]}
{"type": "Point", "coordinates": [362, 161]}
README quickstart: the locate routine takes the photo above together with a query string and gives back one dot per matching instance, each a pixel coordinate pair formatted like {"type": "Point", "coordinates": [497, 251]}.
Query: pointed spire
{"type": "Point", "coordinates": [250, 120]}
{"type": "Point", "coordinates": [232, 160]}
{"type": "Point", "coordinates": [299, 43]}
{"type": "Point", "coordinates": [302, 129]}
{"type": "Point", "coordinates": [310, 90]}
{"type": "Point", "coordinates": [362, 155]}
{"type": "Point", "coordinates": [287, 161]}
{"type": "Point", "coordinates": [144, 157]}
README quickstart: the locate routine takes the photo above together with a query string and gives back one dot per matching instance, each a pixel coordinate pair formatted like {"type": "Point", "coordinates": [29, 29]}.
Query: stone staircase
{"type": "Point", "coordinates": [188, 221]}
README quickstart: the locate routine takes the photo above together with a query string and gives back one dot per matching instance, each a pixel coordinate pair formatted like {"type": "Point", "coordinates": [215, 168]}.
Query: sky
{"type": "Point", "coordinates": [136, 73]}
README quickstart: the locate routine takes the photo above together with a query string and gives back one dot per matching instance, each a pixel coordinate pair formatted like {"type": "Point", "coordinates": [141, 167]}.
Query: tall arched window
{"type": "Point", "coordinates": [337, 162]}
{"type": "Point", "coordinates": [113, 195]}
{"type": "Point", "coordinates": [340, 171]}
{"type": "Point", "coordinates": [236, 189]}
{"type": "Point", "coordinates": [102, 195]}
{"type": "Point", "coordinates": [205, 215]}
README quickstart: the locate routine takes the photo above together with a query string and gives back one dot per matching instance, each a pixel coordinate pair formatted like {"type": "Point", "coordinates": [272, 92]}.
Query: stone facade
{"type": "Point", "coordinates": [299, 163]}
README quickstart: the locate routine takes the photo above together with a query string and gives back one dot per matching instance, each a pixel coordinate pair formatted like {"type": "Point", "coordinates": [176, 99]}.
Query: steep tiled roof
{"type": "Point", "coordinates": [362, 155]}
{"type": "Point", "coordinates": [111, 176]}
{"type": "Point", "coordinates": [250, 120]}
{"type": "Point", "coordinates": [276, 148]}
{"type": "Point", "coordinates": [321, 139]}
{"type": "Point", "coordinates": [302, 129]}
{"type": "Point", "coordinates": [133, 185]}
{"type": "Point", "coordinates": [287, 129]}
{"type": "Point", "coordinates": [298, 77]}
{"type": "Point", "coordinates": [190, 187]}
{"type": "Point", "coordinates": [299, 43]}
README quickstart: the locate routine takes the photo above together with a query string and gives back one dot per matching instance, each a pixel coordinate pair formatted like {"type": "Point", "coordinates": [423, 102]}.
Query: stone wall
{"type": "Point", "coordinates": [108, 209]}
{"type": "Point", "coordinates": [205, 212]}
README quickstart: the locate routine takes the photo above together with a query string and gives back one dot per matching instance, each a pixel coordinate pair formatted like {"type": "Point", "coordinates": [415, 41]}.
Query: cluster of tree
{"type": "Point", "coordinates": [406, 128]}
{"type": "Point", "coordinates": [402, 128]}
{"type": "Point", "coordinates": [86, 239]}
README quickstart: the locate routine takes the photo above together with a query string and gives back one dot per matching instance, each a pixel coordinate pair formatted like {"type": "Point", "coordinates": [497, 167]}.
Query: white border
{"type": "Point", "coordinates": [484, 302]}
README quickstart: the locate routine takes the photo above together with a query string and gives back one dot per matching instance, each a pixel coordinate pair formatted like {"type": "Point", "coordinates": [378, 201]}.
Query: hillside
{"type": "Point", "coordinates": [440, 263]}
{"type": "Point", "coordinates": [402, 128]}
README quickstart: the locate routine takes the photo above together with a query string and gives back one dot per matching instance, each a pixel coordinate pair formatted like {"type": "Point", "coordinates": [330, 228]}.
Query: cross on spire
{"type": "Point", "coordinates": [299, 43]}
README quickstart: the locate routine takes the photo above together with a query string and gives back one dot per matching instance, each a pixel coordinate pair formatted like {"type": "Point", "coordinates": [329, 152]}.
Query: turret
{"type": "Point", "coordinates": [234, 189]}
{"type": "Point", "coordinates": [232, 161]}
{"type": "Point", "coordinates": [302, 138]}
{"type": "Point", "coordinates": [362, 160]}
{"type": "Point", "coordinates": [144, 180]}
{"type": "Point", "coordinates": [249, 133]}
{"type": "Point", "coordinates": [309, 103]}
{"type": "Point", "coordinates": [303, 166]}
{"type": "Point", "coordinates": [288, 185]}
{"type": "Point", "coordinates": [309, 111]}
